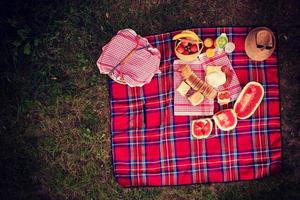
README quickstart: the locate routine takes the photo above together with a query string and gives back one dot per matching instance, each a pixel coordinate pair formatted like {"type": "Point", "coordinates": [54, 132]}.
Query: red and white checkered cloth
{"type": "Point", "coordinates": [182, 106]}
{"type": "Point", "coordinates": [139, 67]}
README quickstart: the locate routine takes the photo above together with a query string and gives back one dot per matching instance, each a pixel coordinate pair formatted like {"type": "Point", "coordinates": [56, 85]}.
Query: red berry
{"type": "Point", "coordinates": [226, 95]}
{"type": "Point", "coordinates": [180, 49]}
{"type": "Point", "coordinates": [221, 96]}
{"type": "Point", "coordinates": [184, 42]}
{"type": "Point", "coordinates": [194, 48]}
{"type": "Point", "coordinates": [185, 52]}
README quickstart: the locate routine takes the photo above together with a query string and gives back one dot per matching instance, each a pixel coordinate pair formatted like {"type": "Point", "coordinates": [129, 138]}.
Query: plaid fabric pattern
{"type": "Point", "coordinates": [182, 106]}
{"type": "Point", "coordinates": [152, 147]}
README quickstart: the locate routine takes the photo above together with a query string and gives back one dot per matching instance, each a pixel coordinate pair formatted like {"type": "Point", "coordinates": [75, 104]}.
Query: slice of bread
{"type": "Point", "coordinates": [196, 98]}
{"type": "Point", "coordinates": [196, 83]}
{"type": "Point", "coordinates": [183, 88]}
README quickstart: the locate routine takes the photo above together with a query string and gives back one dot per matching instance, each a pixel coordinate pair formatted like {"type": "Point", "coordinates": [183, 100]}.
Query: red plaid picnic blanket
{"type": "Point", "coordinates": [182, 106]}
{"type": "Point", "coordinates": [152, 147]}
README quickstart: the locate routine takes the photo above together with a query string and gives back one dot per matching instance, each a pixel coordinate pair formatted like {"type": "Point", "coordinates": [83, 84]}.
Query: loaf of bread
{"type": "Point", "coordinates": [196, 83]}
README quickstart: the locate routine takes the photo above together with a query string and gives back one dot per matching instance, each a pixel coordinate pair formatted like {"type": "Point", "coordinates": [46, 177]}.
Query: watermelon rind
{"type": "Point", "coordinates": [241, 96]}
{"type": "Point", "coordinates": [218, 122]}
{"type": "Point", "coordinates": [202, 136]}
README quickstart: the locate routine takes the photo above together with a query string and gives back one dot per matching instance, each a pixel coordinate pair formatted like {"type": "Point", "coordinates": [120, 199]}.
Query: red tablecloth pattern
{"type": "Point", "coordinates": [152, 147]}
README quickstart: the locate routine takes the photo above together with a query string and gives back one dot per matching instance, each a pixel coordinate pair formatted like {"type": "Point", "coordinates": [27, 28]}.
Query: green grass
{"type": "Point", "coordinates": [55, 134]}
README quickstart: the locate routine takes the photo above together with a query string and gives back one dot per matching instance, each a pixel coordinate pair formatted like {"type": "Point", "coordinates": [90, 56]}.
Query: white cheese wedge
{"type": "Point", "coordinates": [183, 88]}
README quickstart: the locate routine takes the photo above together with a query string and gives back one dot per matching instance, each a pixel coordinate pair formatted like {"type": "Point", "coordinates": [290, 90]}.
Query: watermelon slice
{"type": "Point", "coordinates": [226, 120]}
{"type": "Point", "coordinates": [201, 128]}
{"type": "Point", "coordinates": [249, 100]}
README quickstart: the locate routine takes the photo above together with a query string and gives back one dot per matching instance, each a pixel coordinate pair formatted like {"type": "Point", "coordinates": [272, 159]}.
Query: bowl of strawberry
{"type": "Point", "coordinates": [187, 49]}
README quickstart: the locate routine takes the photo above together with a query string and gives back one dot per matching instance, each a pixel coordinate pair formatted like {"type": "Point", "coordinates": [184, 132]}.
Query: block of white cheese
{"type": "Point", "coordinates": [183, 88]}
{"type": "Point", "coordinates": [215, 79]}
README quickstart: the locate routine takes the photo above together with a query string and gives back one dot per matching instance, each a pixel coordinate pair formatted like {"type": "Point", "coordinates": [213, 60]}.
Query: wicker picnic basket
{"type": "Point", "coordinates": [129, 59]}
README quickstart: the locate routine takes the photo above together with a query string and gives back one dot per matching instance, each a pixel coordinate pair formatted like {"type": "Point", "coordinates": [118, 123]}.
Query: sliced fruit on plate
{"type": "Point", "coordinates": [249, 100]}
{"type": "Point", "coordinates": [224, 97]}
{"type": "Point", "coordinates": [201, 128]}
{"type": "Point", "coordinates": [226, 120]}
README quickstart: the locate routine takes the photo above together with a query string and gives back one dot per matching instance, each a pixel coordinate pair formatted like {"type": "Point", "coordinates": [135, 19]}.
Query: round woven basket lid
{"type": "Point", "coordinates": [257, 36]}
